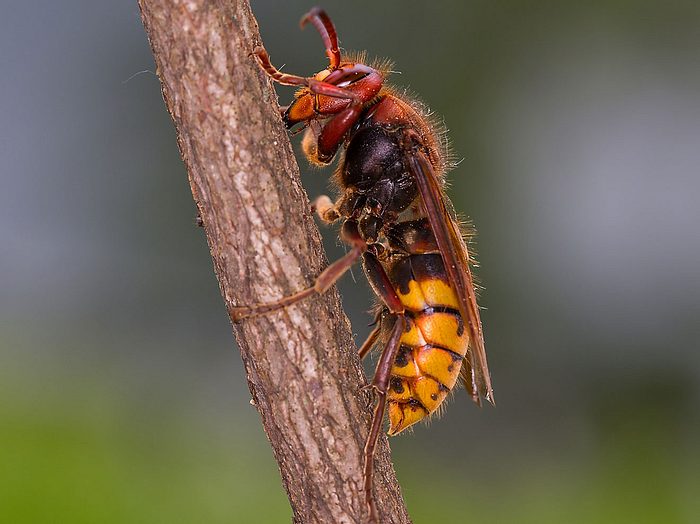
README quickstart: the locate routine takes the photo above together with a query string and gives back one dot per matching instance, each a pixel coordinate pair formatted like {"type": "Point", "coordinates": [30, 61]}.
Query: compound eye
{"type": "Point", "coordinates": [345, 76]}
{"type": "Point", "coordinates": [351, 78]}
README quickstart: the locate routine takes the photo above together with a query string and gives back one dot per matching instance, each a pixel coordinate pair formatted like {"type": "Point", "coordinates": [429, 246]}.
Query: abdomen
{"type": "Point", "coordinates": [430, 357]}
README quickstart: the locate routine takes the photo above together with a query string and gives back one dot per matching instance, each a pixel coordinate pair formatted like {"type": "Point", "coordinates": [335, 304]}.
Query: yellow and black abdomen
{"type": "Point", "coordinates": [432, 349]}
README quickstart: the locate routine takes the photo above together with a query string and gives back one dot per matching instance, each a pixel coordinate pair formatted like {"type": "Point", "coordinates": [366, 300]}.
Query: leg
{"type": "Point", "coordinates": [325, 209]}
{"type": "Point", "coordinates": [318, 87]}
{"type": "Point", "coordinates": [374, 334]}
{"type": "Point", "coordinates": [324, 281]}
{"type": "Point", "coordinates": [335, 130]}
{"type": "Point", "coordinates": [371, 339]}
{"type": "Point", "coordinates": [380, 384]}
{"type": "Point", "coordinates": [381, 284]}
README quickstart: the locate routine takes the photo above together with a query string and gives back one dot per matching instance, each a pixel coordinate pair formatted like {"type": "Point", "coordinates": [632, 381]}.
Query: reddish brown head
{"type": "Point", "coordinates": [357, 80]}
{"type": "Point", "coordinates": [331, 90]}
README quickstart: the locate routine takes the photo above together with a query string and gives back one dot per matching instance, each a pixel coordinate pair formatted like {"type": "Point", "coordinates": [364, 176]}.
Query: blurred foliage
{"type": "Point", "coordinates": [86, 457]}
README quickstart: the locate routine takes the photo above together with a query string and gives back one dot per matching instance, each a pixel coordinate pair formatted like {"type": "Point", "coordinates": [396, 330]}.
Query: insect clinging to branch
{"type": "Point", "coordinates": [396, 220]}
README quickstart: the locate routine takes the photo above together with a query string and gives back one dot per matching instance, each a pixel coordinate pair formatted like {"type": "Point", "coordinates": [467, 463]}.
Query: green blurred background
{"type": "Point", "coordinates": [122, 395]}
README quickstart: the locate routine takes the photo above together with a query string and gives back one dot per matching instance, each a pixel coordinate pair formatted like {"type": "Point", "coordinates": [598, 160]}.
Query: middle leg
{"type": "Point", "coordinates": [324, 281]}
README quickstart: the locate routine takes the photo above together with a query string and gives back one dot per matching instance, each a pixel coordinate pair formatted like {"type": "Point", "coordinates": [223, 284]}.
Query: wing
{"type": "Point", "coordinates": [456, 258]}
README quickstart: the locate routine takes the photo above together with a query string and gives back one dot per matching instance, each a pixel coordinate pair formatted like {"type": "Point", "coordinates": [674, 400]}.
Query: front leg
{"type": "Point", "coordinates": [325, 209]}
{"type": "Point", "coordinates": [334, 131]}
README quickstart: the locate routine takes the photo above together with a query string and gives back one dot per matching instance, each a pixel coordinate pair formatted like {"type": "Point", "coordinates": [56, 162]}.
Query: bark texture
{"type": "Point", "coordinates": [302, 367]}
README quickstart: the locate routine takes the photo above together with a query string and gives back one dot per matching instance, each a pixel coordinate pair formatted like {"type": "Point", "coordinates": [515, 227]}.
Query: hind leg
{"type": "Point", "coordinates": [380, 385]}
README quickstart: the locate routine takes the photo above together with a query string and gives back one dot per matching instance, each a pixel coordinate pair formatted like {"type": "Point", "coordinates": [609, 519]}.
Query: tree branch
{"type": "Point", "coordinates": [302, 367]}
